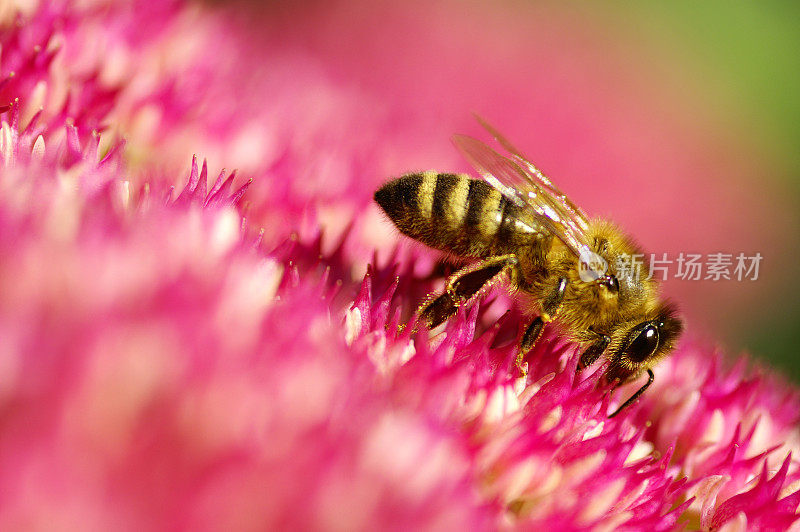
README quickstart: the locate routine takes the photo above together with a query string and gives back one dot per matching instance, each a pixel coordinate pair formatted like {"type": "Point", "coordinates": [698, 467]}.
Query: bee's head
{"type": "Point", "coordinates": [643, 343]}
{"type": "Point", "coordinates": [625, 282]}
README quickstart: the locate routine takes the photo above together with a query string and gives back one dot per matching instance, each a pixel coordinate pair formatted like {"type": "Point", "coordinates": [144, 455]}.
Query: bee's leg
{"type": "Point", "coordinates": [464, 285]}
{"type": "Point", "coordinates": [634, 397]}
{"type": "Point", "coordinates": [593, 352]}
{"type": "Point", "coordinates": [532, 334]}
{"type": "Point", "coordinates": [534, 330]}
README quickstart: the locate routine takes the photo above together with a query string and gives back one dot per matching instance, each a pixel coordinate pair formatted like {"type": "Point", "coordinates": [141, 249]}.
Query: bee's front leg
{"type": "Point", "coordinates": [534, 330]}
{"type": "Point", "coordinates": [632, 399]}
{"type": "Point", "coordinates": [463, 286]}
{"type": "Point", "coordinates": [594, 351]}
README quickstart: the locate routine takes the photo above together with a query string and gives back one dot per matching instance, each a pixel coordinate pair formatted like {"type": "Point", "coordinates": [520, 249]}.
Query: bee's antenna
{"type": "Point", "coordinates": [635, 396]}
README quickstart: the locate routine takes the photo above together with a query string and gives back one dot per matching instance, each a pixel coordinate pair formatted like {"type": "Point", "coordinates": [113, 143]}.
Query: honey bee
{"type": "Point", "coordinates": [514, 224]}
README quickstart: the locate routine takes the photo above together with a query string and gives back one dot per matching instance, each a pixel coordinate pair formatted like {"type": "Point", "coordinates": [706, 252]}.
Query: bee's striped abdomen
{"type": "Point", "coordinates": [452, 212]}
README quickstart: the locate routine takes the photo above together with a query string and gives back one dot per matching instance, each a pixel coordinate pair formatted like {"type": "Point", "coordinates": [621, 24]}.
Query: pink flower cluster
{"type": "Point", "coordinates": [177, 353]}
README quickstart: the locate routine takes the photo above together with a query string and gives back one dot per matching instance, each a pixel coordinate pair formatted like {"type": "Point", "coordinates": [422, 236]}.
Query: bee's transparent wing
{"type": "Point", "coordinates": [516, 184]}
{"type": "Point", "coordinates": [536, 177]}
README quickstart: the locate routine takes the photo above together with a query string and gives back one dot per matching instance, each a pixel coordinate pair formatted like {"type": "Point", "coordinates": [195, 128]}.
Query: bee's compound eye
{"type": "Point", "coordinates": [644, 344]}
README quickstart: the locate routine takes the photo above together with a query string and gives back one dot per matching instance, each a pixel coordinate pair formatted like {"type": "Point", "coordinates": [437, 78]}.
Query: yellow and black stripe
{"type": "Point", "coordinates": [454, 213]}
